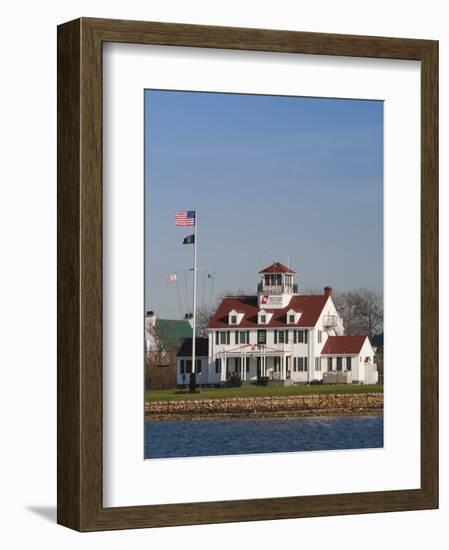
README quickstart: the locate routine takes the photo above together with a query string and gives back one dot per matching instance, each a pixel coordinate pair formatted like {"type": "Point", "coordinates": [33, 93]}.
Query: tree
{"type": "Point", "coordinates": [203, 315]}
{"type": "Point", "coordinates": [361, 311]}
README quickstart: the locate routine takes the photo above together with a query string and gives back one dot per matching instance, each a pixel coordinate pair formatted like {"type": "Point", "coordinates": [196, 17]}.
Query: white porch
{"type": "Point", "coordinates": [252, 362]}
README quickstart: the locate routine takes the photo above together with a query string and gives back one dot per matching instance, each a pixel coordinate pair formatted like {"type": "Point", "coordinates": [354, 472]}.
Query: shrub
{"type": "Point", "coordinates": [234, 381]}
{"type": "Point", "coordinates": [263, 381]}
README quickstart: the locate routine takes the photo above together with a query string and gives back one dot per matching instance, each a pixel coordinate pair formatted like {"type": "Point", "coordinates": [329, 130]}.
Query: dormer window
{"type": "Point", "coordinates": [235, 317]}
{"type": "Point", "coordinates": [293, 317]}
{"type": "Point", "coordinates": [264, 317]}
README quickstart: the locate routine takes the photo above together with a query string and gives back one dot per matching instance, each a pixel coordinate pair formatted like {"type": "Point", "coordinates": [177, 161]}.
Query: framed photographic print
{"type": "Point", "coordinates": [247, 274]}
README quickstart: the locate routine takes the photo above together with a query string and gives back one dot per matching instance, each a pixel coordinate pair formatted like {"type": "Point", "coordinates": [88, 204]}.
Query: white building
{"type": "Point", "coordinates": [280, 334]}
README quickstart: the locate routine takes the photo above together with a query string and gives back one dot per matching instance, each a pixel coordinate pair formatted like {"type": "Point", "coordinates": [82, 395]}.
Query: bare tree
{"type": "Point", "coordinates": [203, 315]}
{"type": "Point", "coordinates": [361, 310]}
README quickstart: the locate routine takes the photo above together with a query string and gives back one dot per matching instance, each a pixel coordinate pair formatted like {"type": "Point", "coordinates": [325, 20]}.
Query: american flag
{"type": "Point", "coordinates": [185, 218]}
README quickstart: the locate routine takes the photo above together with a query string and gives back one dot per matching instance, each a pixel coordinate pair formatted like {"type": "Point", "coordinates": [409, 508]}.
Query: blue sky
{"type": "Point", "coordinates": [272, 177]}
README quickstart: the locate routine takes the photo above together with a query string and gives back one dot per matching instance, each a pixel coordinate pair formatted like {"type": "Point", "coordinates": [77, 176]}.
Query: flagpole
{"type": "Point", "coordinates": [195, 239]}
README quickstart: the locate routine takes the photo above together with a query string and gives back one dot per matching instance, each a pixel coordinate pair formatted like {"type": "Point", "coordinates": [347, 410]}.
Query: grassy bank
{"type": "Point", "coordinates": [254, 391]}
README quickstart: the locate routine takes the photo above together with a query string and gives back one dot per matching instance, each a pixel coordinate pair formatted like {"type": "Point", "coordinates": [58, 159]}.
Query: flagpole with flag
{"type": "Point", "coordinates": [189, 218]}
{"type": "Point", "coordinates": [195, 242]}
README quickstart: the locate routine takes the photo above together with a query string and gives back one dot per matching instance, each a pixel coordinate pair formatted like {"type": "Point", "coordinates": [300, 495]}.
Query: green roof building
{"type": "Point", "coordinates": [172, 332]}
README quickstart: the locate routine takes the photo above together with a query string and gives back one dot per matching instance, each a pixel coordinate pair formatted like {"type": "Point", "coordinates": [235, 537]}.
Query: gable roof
{"type": "Point", "coordinates": [201, 348]}
{"type": "Point", "coordinates": [277, 267]}
{"type": "Point", "coordinates": [343, 345]}
{"type": "Point", "coordinates": [310, 306]}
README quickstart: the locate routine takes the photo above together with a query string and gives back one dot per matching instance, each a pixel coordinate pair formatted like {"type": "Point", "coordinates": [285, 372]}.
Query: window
{"type": "Point", "coordinates": [302, 364]}
{"type": "Point", "coordinates": [182, 366]}
{"type": "Point", "coordinates": [233, 319]}
{"type": "Point", "coordinates": [263, 319]}
{"type": "Point", "coordinates": [329, 363]}
{"type": "Point", "coordinates": [217, 366]}
{"type": "Point", "coordinates": [282, 337]}
{"type": "Point", "coordinates": [318, 364]}
{"type": "Point", "coordinates": [261, 336]}
{"type": "Point", "coordinates": [302, 336]}
{"type": "Point", "coordinates": [348, 363]}
{"type": "Point", "coordinates": [339, 363]}
{"type": "Point", "coordinates": [291, 318]}
{"type": "Point", "coordinates": [222, 337]}
{"type": "Point", "coordinates": [320, 336]}
{"type": "Point", "coordinates": [244, 337]}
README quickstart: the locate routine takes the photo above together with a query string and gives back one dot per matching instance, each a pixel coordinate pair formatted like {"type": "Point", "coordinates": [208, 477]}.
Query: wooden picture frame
{"type": "Point", "coordinates": [80, 503]}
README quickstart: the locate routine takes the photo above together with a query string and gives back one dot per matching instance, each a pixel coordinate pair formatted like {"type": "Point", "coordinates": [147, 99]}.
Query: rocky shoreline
{"type": "Point", "coordinates": [267, 407]}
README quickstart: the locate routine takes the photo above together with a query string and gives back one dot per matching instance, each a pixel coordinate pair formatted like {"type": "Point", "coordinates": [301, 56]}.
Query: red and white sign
{"type": "Point", "coordinates": [270, 300]}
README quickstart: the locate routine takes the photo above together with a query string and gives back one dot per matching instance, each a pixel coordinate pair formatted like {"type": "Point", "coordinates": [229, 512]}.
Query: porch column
{"type": "Point", "coordinates": [283, 367]}
{"type": "Point", "coordinates": [221, 369]}
{"type": "Point", "coordinates": [243, 366]}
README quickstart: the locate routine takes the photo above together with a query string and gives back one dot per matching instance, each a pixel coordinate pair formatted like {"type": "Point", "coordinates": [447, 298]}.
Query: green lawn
{"type": "Point", "coordinates": [252, 391]}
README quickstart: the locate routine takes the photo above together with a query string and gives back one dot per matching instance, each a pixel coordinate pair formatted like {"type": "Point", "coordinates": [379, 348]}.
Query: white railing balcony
{"type": "Point", "coordinates": [262, 288]}
{"type": "Point", "coordinates": [330, 321]}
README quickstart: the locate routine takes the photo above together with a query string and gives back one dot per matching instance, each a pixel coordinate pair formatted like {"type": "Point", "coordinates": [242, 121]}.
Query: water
{"type": "Point", "coordinates": [168, 439]}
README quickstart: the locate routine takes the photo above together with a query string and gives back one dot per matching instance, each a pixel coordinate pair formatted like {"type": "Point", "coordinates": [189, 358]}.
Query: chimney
{"type": "Point", "coordinates": [328, 291]}
{"type": "Point", "coordinates": [151, 318]}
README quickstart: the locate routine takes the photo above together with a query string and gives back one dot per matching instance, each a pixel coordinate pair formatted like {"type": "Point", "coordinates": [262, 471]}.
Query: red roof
{"type": "Point", "coordinates": [310, 307]}
{"type": "Point", "coordinates": [277, 268]}
{"type": "Point", "coordinates": [343, 345]}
